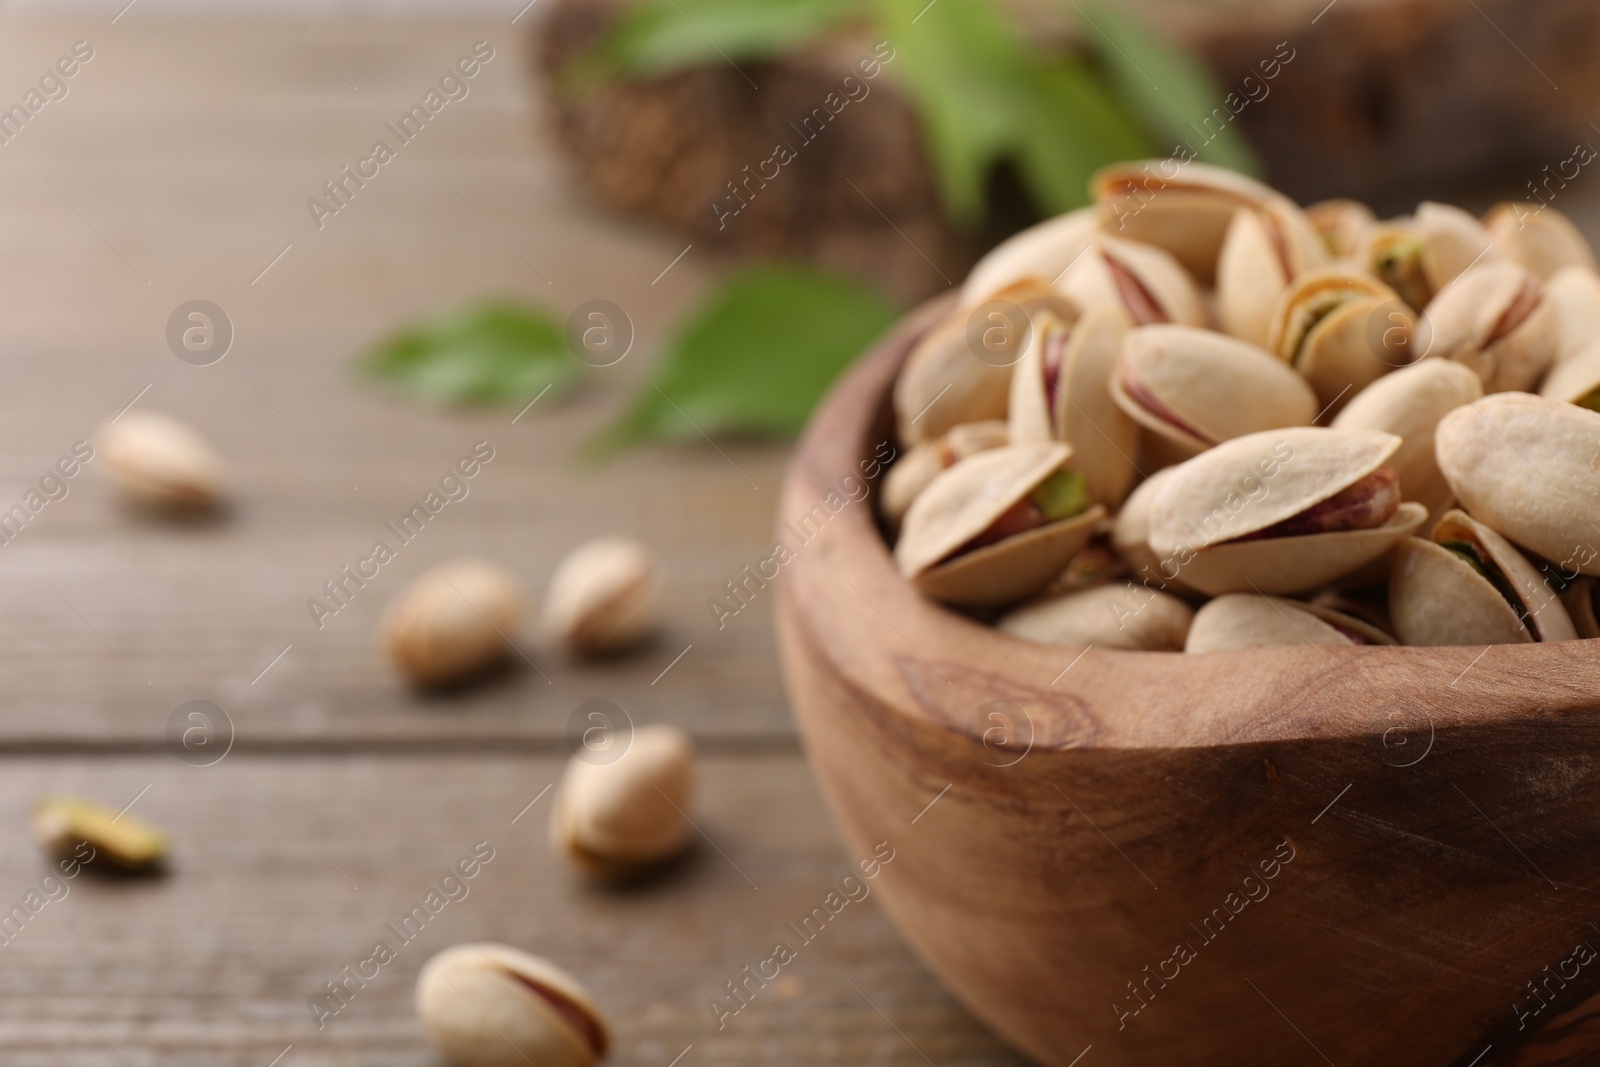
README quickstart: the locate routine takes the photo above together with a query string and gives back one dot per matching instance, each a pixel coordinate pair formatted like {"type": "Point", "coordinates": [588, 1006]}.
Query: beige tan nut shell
{"type": "Point", "coordinates": [1103, 438]}
{"type": "Point", "coordinates": [616, 817]}
{"type": "Point", "coordinates": [1039, 253]}
{"type": "Point", "coordinates": [1575, 294]}
{"type": "Point", "coordinates": [1494, 319]}
{"type": "Point", "coordinates": [1409, 403]}
{"type": "Point", "coordinates": [1250, 620]}
{"type": "Point", "coordinates": [1343, 226]}
{"type": "Point", "coordinates": [453, 622]}
{"type": "Point", "coordinates": [1437, 598]}
{"type": "Point", "coordinates": [1254, 482]}
{"type": "Point", "coordinates": [962, 503]}
{"type": "Point", "coordinates": [1216, 385]}
{"type": "Point", "coordinates": [1123, 615]}
{"type": "Point", "coordinates": [1529, 467]}
{"type": "Point", "coordinates": [1419, 255]}
{"type": "Point", "coordinates": [1575, 378]}
{"type": "Point", "coordinates": [1543, 240]}
{"type": "Point", "coordinates": [489, 1005]}
{"type": "Point", "coordinates": [911, 474]}
{"type": "Point", "coordinates": [602, 597]}
{"type": "Point", "coordinates": [1141, 279]}
{"type": "Point", "coordinates": [1264, 251]}
{"type": "Point", "coordinates": [1345, 349]}
{"type": "Point", "coordinates": [1579, 600]}
{"type": "Point", "coordinates": [157, 461]}
{"type": "Point", "coordinates": [1130, 536]}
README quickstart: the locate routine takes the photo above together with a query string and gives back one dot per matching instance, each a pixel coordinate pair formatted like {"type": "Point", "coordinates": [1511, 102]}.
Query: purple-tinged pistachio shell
{"type": "Point", "coordinates": [1142, 280]}
{"type": "Point", "coordinates": [1264, 251]}
{"type": "Point", "coordinates": [1494, 319]}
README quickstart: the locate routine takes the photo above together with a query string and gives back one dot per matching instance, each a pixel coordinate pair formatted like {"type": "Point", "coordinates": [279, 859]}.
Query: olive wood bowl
{"type": "Point", "coordinates": [1082, 839]}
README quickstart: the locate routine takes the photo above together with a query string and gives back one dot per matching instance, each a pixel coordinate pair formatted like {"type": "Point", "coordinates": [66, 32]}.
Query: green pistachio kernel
{"type": "Point", "coordinates": [1061, 496]}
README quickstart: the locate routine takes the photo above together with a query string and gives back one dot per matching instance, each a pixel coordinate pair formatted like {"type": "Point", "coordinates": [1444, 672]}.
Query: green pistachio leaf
{"type": "Point", "coordinates": [492, 352]}
{"type": "Point", "coordinates": [660, 36]}
{"type": "Point", "coordinates": [755, 358]}
{"type": "Point", "coordinates": [1076, 128]}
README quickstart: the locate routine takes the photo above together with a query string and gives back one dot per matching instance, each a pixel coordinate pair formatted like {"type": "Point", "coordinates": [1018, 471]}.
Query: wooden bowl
{"type": "Point", "coordinates": [1359, 856]}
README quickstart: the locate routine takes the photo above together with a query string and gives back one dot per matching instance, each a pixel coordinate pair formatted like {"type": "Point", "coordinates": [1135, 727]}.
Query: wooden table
{"type": "Point", "coordinates": [178, 167]}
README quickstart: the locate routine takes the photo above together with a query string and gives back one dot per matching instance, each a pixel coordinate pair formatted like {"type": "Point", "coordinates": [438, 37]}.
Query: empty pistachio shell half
{"type": "Point", "coordinates": [1039, 253]}
{"type": "Point", "coordinates": [1494, 319]}
{"type": "Point", "coordinates": [1526, 466]}
{"type": "Point", "coordinates": [488, 1005]}
{"type": "Point", "coordinates": [1542, 240]}
{"type": "Point", "coordinates": [1265, 249]}
{"type": "Point", "coordinates": [1343, 226]}
{"type": "Point", "coordinates": [1059, 393]}
{"type": "Point", "coordinates": [1575, 294]}
{"type": "Point", "coordinates": [1469, 586]}
{"type": "Point", "coordinates": [1142, 280]}
{"type": "Point", "coordinates": [1579, 600]}
{"type": "Point", "coordinates": [159, 462]}
{"type": "Point", "coordinates": [1250, 620]}
{"type": "Point", "coordinates": [64, 824]}
{"type": "Point", "coordinates": [1409, 403]}
{"type": "Point", "coordinates": [453, 622]}
{"type": "Point", "coordinates": [913, 471]}
{"type": "Point", "coordinates": [619, 818]}
{"type": "Point", "coordinates": [1281, 512]}
{"type": "Point", "coordinates": [997, 526]}
{"type": "Point", "coordinates": [1124, 615]}
{"type": "Point", "coordinates": [1193, 388]}
{"type": "Point", "coordinates": [1341, 331]}
{"type": "Point", "coordinates": [602, 597]}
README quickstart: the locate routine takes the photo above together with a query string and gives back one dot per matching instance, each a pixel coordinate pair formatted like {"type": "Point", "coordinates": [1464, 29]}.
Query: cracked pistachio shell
{"type": "Point", "coordinates": [1437, 598]}
{"type": "Point", "coordinates": [1576, 378]}
{"type": "Point", "coordinates": [1216, 387]}
{"type": "Point", "coordinates": [620, 818]}
{"type": "Point", "coordinates": [1186, 214]}
{"type": "Point", "coordinates": [157, 461]}
{"type": "Point", "coordinates": [962, 503]}
{"type": "Point", "coordinates": [453, 622]}
{"type": "Point", "coordinates": [602, 597]}
{"type": "Point", "coordinates": [488, 1005]}
{"type": "Point", "coordinates": [1254, 482]}
{"type": "Point", "coordinates": [1419, 255]}
{"type": "Point", "coordinates": [1529, 467]}
{"type": "Point", "coordinates": [1342, 225]}
{"type": "Point", "coordinates": [63, 824]}
{"type": "Point", "coordinates": [1102, 437]}
{"type": "Point", "coordinates": [1039, 253]}
{"type": "Point", "coordinates": [1409, 404]}
{"type": "Point", "coordinates": [1130, 534]}
{"type": "Point", "coordinates": [1142, 280]}
{"type": "Point", "coordinates": [1117, 615]}
{"type": "Point", "coordinates": [911, 474]}
{"type": "Point", "coordinates": [1264, 250]}
{"type": "Point", "coordinates": [1343, 350]}
{"type": "Point", "coordinates": [1495, 320]}
{"type": "Point", "coordinates": [1543, 240]}
{"type": "Point", "coordinates": [1250, 620]}
{"type": "Point", "coordinates": [1575, 294]}
{"type": "Point", "coordinates": [1579, 600]}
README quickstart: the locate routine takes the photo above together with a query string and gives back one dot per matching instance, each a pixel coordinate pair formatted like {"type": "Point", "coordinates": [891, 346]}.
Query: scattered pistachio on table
{"type": "Point", "coordinates": [63, 825]}
{"type": "Point", "coordinates": [158, 462]}
{"type": "Point", "coordinates": [453, 622]}
{"type": "Point", "coordinates": [489, 1005]}
{"type": "Point", "coordinates": [622, 818]}
{"type": "Point", "coordinates": [602, 597]}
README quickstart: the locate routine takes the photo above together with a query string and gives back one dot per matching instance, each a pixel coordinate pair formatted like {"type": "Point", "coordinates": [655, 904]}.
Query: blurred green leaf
{"type": "Point", "coordinates": [1170, 90]}
{"type": "Point", "coordinates": [499, 351]}
{"type": "Point", "coordinates": [755, 358]}
{"type": "Point", "coordinates": [661, 36]}
{"type": "Point", "coordinates": [1077, 128]}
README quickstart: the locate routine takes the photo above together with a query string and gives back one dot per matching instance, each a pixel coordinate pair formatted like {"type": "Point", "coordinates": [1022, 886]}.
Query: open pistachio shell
{"type": "Point", "coordinates": [1493, 318]}
{"type": "Point", "coordinates": [1576, 380]}
{"type": "Point", "coordinates": [1130, 536]}
{"type": "Point", "coordinates": [1039, 253]}
{"type": "Point", "coordinates": [1542, 240]}
{"type": "Point", "coordinates": [1575, 294]}
{"type": "Point", "coordinates": [1324, 327]}
{"type": "Point", "coordinates": [1342, 225]}
{"type": "Point", "coordinates": [1438, 598]}
{"type": "Point", "coordinates": [1141, 279]}
{"type": "Point", "coordinates": [1250, 620]}
{"type": "Point", "coordinates": [1193, 388]}
{"type": "Point", "coordinates": [1124, 615]}
{"type": "Point", "coordinates": [1265, 249]}
{"type": "Point", "coordinates": [921, 463]}
{"type": "Point", "coordinates": [1419, 255]}
{"type": "Point", "coordinates": [1060, 392]}
{"type": "Point", "coordinates": [1409, 403]}
{"type": "Point", "coordinates": [1579, 600]}
{"type": "Point", "coordinates": [1526, 466]}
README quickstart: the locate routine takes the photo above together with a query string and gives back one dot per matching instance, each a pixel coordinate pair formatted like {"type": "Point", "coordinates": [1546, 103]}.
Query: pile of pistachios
{"type": "Point", "coordinates": [1196, 416]}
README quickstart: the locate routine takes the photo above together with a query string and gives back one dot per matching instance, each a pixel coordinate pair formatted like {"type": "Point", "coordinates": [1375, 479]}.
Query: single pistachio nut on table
{"type": "Point", "coordinates": [453, 622]}
{"type": "Point", "coordinates": [603, 597]}
{"type": "Point", "coordinates": [490, 1005]}
{"type": "Point", "coordinates": [625, 817]}
{"type": "Point", "coordinates": [157, 462]}
{"type": "Point", "coordinates": [1543, 239]}
{"type": "Point", "coordinates": [65, 825]}
{"type": "Point", "coordinates": [1252, 620]}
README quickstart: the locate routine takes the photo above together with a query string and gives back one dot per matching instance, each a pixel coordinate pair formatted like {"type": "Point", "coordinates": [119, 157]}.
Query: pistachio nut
{"type": "Point", "coordinates": [1579, 600]}
{"type": "Point", "coordinates": [1542, 240]}
{"type": "Point", "coordinates": [1142, 280]}
{"type": "Point", "coordinates": [1125, 615]}
{"type": "Point", "coordinates": [1576, 380]}
{"type": "Point", "coordinates": [453, 622]}
{"type": "Point", "coordinates": [1095, 564]}
{"type": "Point", "coordinates": [1040, 253]}
{"type": "Point", "coordinates": [1130, 536]}
{"type": "Point", "coordinates": [1493, 318]}
{"type": "Point", "coordinates": [624, 817]}
{"type": "Point", "coordinates": [1059, 393]}
{"type": "Point", "coordinates": [1469, 586]}
{"type": "Point", "coordinates": [1265, 249]}
{"type": "Point", "coordinates": [1282, 511]}
{"type": "Point", "coordinates": [1193, 388]}
{"type": "Point", "coordinates": [158, 462]}
{"type": "Point", "coordinates": [997, 526]}
{"type": "Point", "coordinates": [1420, 255]}
{"type": "Point", "coordinates": [488, 1005]}
{"type": "Point", "coordinates": [1251, 620]}
{"type": "Point", "coordinates": [1341, 331]}
{"type": "Point", "coordinates": [911, 474]}
{"type": "Point", "coordinates": [64, 824]}
{"type": "Point", "coordinates": [1526, 466]}
{"type": "Point", "coordinates": [602, 597]}
{"type": "Point", "coordinates": [1575, 294]}
{"type": "Point", "coordinates": [1409, 404]}
{"type": "Point", "coordinates": [1342, 225]}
